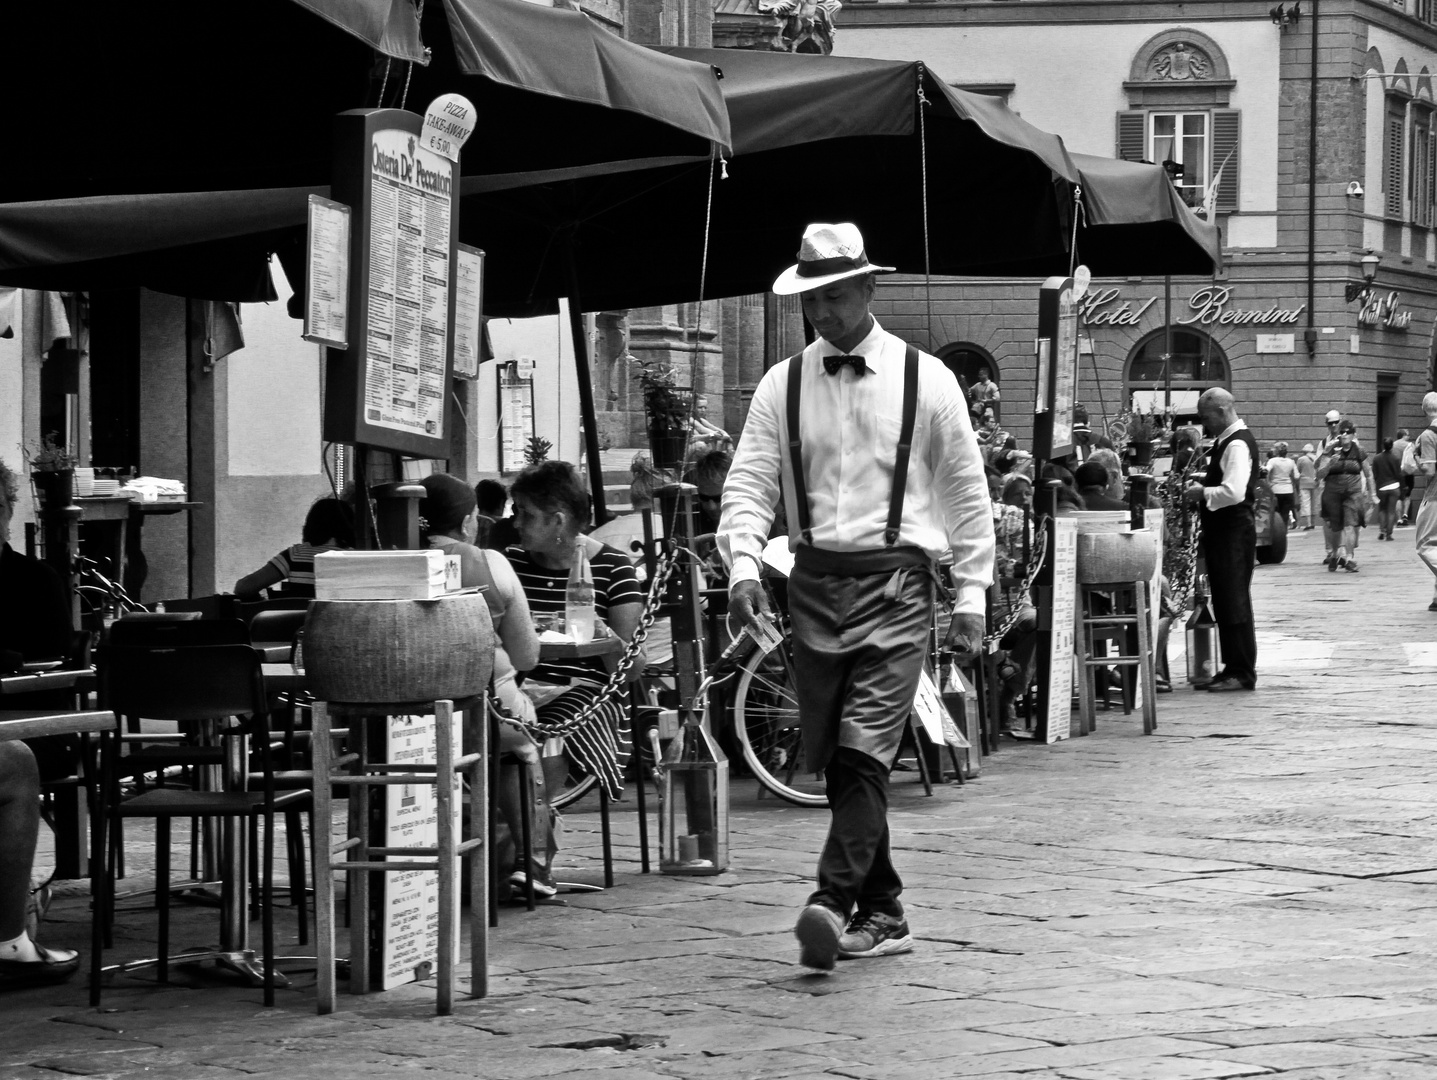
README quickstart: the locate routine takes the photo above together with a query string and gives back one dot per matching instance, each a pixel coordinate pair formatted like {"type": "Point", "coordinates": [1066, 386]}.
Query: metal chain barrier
{"type": "Point", "coordinates": [1037, 555]}
{"type": "Point", "coordinates": [663, 570]}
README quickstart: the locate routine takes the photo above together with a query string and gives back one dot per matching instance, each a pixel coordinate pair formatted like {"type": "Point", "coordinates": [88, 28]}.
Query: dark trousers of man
{"type": "Point", "coordinates": [1230, 548]}
{"type": "Point", "coordinates": [858, 648]}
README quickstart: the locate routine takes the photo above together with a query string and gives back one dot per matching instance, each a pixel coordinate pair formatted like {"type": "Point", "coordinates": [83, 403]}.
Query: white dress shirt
{"type": "Point", "coordinates": [850, 425]}
{"type": "Point", "coordinates": [1236, 469]}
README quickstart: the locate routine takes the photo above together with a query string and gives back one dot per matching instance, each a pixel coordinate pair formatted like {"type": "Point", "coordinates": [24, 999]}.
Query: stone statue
{"type": "Point", "coordinates": [808, 26]}
{"type": "Point", "coordinates": [1182, 62]}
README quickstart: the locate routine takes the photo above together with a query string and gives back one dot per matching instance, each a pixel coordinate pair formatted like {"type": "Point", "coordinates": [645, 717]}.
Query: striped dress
{"type": "Point", "coordinates": [601, 747]}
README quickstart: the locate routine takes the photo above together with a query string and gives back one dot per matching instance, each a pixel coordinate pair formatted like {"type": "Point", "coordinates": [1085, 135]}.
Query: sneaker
{"type": "Point", "coordinates": [544, 886]}
{"type": "Point", "coordinates": [1331, 562]}
{"type": "Point", "coordinates": [872, 934]}
{"type": "Point", "coordinates": [1350, 566]}
{"type": "Point", "coordinates": [817, 931]}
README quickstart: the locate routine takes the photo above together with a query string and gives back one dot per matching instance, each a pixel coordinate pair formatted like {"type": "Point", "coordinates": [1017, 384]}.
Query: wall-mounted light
{"type": "Point", "coordinates": [1369, 274]}
{"type": "Point", "coordinates": [1285, 18]}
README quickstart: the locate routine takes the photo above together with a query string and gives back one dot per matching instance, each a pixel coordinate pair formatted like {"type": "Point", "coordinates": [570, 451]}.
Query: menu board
{"type": "Point", "coordinates": [516, 419]}
{"type": "Point", "coordinates": [1065, 368]}
{"type": "Point", "coordinates": [468, 310]}
{"type": "Point", "coordinates": [1065, 621]}
{"type": "Point", "coordinates": [326, 309]}
{"type": "Point", "coordinates": [409, 927]}
{"type": "Point", "coordinates": [408, 293]}
{"type": "Point", "coordinates": [390, 388]}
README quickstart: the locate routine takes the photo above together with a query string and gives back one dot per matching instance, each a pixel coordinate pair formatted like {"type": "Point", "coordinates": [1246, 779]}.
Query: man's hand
{"type": "Point", "coordinates": [1194, 494]}
{"type": "Point", "coordinates": [746, 601]}
{"type": "Point", "coordinates": [965, 636]}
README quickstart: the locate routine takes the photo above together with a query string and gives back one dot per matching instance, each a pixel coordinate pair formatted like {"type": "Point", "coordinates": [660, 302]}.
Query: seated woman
{"type": "Point", "coordinates": [450, 519]}
{"type": "Point", "coordinates": [328, 526]}
{"type": "Point", "coordinates": [551, 508]}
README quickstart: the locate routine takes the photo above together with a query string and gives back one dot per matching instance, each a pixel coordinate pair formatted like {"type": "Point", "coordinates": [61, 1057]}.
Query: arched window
{"type": "Point", "coordinates": [967, 361]}
{"type": "Point", "coordinates": [1197, 362]}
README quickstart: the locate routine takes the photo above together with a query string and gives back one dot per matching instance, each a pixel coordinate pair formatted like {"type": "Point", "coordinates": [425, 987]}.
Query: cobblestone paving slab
{"type": "Point", "coordinates": [1247, 893]}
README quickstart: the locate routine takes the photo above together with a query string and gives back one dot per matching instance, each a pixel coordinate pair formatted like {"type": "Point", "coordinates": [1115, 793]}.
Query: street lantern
{"type": "Point", "coordinates": [1369, 274]}
{"type": "Point", "coordinates": [1204, 651]}
{"type": "Point", "coordinates": [694, 817]}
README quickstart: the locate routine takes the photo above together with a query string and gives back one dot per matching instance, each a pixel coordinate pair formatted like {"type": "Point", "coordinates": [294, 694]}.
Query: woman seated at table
{"type": "Point", "coordinates": [329, 526]}
{"type": "Point", "coordinates": [551, 508]}
{"type": "Point", "coordinates": [450, 520]}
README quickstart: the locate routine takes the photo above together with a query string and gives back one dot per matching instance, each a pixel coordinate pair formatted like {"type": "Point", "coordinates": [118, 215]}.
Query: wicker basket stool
{"type": "Point", "coordinates": [1114, 570]}
{"type": "Point", "coordinates": [366, 661]}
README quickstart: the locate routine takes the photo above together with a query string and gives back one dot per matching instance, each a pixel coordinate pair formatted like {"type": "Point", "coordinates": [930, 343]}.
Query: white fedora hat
{"type": "Point", "coordinates": [829, 253]}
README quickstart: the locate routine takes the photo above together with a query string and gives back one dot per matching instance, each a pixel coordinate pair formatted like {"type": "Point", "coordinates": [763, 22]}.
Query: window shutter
{"type": "Point", "coordinates": [1226, 133]}
{"type": "Point", "coordinates": [1392, 161]}
{"type": "Point", "coordinates": [1132, 135]}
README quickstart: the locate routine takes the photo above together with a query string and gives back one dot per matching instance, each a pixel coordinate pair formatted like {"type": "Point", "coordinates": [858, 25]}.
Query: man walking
{"type": "Point", "coordinates": [1387, 475]}
{"type": "Point", "coordinates": [828, 431]}
{"type": "Point", "coordinates": [1427, 512]}
{"type": "Point", "coordinates": [1229, 537]}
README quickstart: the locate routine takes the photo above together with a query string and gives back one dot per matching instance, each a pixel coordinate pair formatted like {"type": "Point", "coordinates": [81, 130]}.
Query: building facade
{"type": "Point", "coordinates": [1312, 141]}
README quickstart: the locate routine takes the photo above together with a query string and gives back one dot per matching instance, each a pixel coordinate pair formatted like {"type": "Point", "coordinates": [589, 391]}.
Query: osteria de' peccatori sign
{"type": "Point", "coordinates": [1210, 305]}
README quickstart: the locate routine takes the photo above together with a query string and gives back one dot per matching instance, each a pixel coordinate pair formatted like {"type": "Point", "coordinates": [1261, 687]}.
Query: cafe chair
{"type": "Point", "coordinates": [221, 686]}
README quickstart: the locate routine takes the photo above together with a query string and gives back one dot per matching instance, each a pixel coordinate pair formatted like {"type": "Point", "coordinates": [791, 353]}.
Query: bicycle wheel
{"type": "Point", "coordinates": [576, 785]}
{"type": "Point", "coordinates": [765, 718]}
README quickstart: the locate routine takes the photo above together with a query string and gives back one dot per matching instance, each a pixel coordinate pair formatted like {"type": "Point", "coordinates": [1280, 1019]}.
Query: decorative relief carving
{"type": "Point", "coordinates": [1181, 62]}
{"type": "Point", "coordinates": [808, 26]}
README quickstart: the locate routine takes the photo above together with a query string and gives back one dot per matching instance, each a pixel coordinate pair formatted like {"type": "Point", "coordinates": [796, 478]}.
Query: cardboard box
{"type": "Point", "coordinates": [384, 575]}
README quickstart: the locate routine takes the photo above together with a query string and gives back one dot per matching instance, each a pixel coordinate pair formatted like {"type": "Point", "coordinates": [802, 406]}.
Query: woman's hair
{"type": "Point", "coordinates": [1016, 486]}
{"type": "Point", "coordinates": [551, 486]}
{"type": "Point", "coordinates": [1068, 499]}
{"type": "Point", "coordinates": [10, 483]}
{"type": "Point", "coordinates": [1053, 471]}
{"type": "Point", "coordinates": [329, 519]}
{"type": "Point", "coordinates": [710, 468]}
{"type": "Point", "coordinates": [1280, 449]}
{"type": "Point", "coordinates": [1429, 403]}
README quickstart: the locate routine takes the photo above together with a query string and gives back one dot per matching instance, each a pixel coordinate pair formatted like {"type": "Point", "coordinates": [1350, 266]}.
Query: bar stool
{"type": "Point", "coordinates": [357, 857]}
{"type": "Point", "coordinates": [1113, 607]}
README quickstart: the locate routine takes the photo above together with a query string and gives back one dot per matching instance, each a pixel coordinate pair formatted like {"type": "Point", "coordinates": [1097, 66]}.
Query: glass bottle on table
{"type": "Point", "coordinates": [579, 596]}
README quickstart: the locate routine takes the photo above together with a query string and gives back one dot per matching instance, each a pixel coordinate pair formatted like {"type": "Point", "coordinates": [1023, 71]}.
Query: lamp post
{"type": "Point", "coordinates": [1369, 273]}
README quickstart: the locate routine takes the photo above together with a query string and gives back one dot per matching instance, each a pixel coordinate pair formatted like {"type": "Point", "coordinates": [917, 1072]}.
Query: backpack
{"type": "Point", "coordinates": [1409, 458]}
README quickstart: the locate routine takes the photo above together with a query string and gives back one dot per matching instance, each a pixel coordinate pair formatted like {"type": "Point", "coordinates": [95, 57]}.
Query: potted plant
{"type": "Point", "coordinates": [666, 408]}
{"type": "Point", "coordinates": [1142, 431]}
{"type": "Point", "coordinates": [52, 471]}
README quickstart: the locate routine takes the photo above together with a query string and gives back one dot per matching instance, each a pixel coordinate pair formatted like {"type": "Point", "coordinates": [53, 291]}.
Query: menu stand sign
{"type": "Point", "coordinates": [389, 388]}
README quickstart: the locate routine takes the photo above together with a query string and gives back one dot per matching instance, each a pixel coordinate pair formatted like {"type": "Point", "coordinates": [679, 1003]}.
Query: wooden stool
{"type": "Point", "coordinates": [357, 857]}
{"type": "Point", "coordinates": [1115, 624]}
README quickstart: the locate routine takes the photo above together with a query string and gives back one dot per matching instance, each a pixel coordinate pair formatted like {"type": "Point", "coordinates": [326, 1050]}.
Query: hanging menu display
{"type": "Point", "coordinates": [391, 387]}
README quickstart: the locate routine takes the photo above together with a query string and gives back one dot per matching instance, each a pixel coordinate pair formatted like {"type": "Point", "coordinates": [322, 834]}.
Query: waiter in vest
{"type": "Point", "coordinates": [1229, 537]}
{"type": "Point", "coordinates": [869, 444]}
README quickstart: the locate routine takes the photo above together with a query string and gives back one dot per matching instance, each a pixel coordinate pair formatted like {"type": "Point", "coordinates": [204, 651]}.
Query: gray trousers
{"type": "Point", "coordinates": [858, 649]}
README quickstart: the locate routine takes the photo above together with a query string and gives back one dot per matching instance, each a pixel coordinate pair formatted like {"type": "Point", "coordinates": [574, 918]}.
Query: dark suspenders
{"type": "Point", "coordinates": [900, 464]}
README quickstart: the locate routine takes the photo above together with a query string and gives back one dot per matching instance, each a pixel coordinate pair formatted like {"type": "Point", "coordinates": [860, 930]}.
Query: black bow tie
{"type": "Point", "coordinates": [833, 364]}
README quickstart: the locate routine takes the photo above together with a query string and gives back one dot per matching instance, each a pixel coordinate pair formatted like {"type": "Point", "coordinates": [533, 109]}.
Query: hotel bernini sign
{"type": "Point", "coordinates": [1210, 305]}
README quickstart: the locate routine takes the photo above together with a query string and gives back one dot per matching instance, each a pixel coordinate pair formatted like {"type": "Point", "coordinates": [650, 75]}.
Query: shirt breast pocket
{"type": "Point", "coordinates": [886, 433]}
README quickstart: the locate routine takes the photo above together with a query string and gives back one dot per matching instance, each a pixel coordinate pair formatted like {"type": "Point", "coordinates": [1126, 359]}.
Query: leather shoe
{"type": "Point", "coordinates": [1220, 686]}
{"type": "Point", "coordinates": [54, 966]}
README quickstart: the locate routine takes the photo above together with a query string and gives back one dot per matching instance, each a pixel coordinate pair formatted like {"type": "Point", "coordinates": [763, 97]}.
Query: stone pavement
{"type": "Point", "coordinates": [1248, 892]}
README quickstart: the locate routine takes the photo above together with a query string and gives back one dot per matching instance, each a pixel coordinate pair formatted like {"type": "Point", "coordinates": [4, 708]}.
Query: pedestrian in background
{"type": "Point", "coordinates": [1404, 491]}
{"type": "Point", "coordinates": [1225, 499]}
{"type": "Point", "coordinates": [1307, 487]}
{"type": "Point", "coordinates": [1427, 511]}
{"type": "Point", "coordinates": [867, 524]}
{"type": "Point", "coordinates": [1340, 467]}
{"type": "Point", "coordinates": [1387, 476]}
{"type": "Point", "coordinates": [1282, 478]}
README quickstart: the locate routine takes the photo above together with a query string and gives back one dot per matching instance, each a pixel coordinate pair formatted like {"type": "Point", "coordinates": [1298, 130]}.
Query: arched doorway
{"type": "Point", "coordinates": [967, 361]}
{"type": "Point", "coordinates": [1197, 363]}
